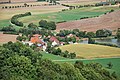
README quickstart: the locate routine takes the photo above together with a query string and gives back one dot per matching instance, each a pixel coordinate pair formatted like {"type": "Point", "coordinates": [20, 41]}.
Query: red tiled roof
{"type": "Point", "coordinates": [54, 39]}
{"type": "Point", "coordinates": [36, 40]}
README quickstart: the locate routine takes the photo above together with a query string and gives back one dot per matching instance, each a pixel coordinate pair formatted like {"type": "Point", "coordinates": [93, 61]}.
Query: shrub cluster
{"type": "Point", "coordinates": [15, 21]}
{"type": "Point", "coordinates": [47, 25]}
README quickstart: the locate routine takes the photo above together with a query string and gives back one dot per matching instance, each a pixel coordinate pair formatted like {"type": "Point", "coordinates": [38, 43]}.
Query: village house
{"type": "Point", "coordinates": [54, 40]}
{"type": "Point", "coordinates": [71, 35]}
{"type": "Point", "coordinates": [37, 39]}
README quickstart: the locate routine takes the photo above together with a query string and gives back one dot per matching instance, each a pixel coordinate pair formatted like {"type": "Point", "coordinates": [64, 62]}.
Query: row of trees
{"type": "Point", "coordinates": [20, 62]}
{"type": "Point", "coordinates": [14, 19]}
{"type": "Point", "coordinates": [78, 33]}
{"type": "Point", "coordinates": [23, 6]}
{"type": "Point", "coordinates": [93, 5]}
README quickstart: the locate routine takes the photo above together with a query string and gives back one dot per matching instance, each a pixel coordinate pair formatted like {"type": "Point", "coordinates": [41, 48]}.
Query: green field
{"type": "Point", "coordinates": [69, 15]}
{"type": "Point", "coordinates": [52, 57]}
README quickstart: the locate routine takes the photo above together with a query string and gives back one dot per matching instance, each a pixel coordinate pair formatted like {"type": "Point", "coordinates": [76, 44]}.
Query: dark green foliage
{"type": "Point", "coordinates": [118, 34]}
{"type": "Point", "coordinates": [31, 31]}
{"type": "Point", "coordinates": [59, 52]}
{"type": "Point", "coordinates": [14, 19]}
{"type": "Point", "coordinates": [21, 38]}
{"type": "Point", "coordinates": [94, 71]}
{"type": "Point", "coordinates": [90, 34]}
{"type": "Point", "coordinates": [43, 23]}
{"type": "Point", "coordinates": [107, 44]}
{"type": "Point", "coordinates": [20, 62]}
{"type": "Point", "coordinates": [103, 33]}
{"type": "Point", "coordinates": [91, 41]}
{"type": "Point", "coordinates": [76, 32]}
{"type": "Point", "coordinates": [31, 25]}
{"type": "Point", "coordinates": [47, 25]}
{"type": "Point", "coordinates": [72, 55]}
{"type": "Point", "coordinates": [110, 65]}
{"type": "Point", "coordinates": [51, 25]}
{"type": "Point", "coordinates": [9, 28]}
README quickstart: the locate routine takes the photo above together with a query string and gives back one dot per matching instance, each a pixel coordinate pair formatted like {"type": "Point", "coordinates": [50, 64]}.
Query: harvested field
{"type": "Point", "coordinates": [41, 9]}
{"type": "Point", "coordinates": [108, 21]}
{"type": "Point", "coordinates": [4, 38]}
{"type": "Point", "coordinates": [92, 51]}
{"type": "Point", "coordinates": [79, 2]}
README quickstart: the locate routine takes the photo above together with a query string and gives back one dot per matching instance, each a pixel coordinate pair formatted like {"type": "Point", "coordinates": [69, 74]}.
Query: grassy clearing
{"type": "Point", "coordinates": [4, 23]}
{"type": "Point", "coordinates": [92, 51]}
{"type": "Point", "coordinates": [52, 57]}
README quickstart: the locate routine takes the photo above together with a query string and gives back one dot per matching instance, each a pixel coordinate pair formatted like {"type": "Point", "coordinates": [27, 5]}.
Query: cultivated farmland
{"type": "Point", "coordinates": [4, 38]}
{"type": "Point", "coordinates": [92, 51]}
{"type": "Point", "coordinates": [108, 21]}
{"type": "Point", "coordinates": [69, 15]}
{"type": "Point", "coordinates": [79, 2]}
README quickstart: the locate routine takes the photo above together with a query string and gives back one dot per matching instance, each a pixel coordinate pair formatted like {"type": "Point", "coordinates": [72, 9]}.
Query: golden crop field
{"type": "Point", "coordinates": [92, 51]}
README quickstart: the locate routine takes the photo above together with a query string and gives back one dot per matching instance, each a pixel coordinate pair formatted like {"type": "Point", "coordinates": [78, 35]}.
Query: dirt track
{"type": "Point", "coordinates": [108, 21]}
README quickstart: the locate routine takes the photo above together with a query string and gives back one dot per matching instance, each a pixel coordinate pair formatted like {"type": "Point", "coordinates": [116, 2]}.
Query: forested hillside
{"type": "Point", "coordinates": [21, 62]}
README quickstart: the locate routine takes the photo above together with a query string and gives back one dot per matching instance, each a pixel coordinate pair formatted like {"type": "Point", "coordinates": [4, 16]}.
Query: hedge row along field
{"type": "Point", "coordinates": [15, 21]}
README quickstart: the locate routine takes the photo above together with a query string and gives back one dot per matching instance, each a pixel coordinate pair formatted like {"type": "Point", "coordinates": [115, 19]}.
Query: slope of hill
{"type": "Point", "coordinates": [108, 21]}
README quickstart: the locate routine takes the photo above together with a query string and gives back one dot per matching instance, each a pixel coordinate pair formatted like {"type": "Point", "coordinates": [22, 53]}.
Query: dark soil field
{"type": "Point", "coordinates": [4, 38]}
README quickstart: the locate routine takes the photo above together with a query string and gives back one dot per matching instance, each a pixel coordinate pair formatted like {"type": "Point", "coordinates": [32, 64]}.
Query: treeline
{"type": "Point", "coordinates": [106, 44]}
{"type": "Point", "coordinates": [9, 30]}
{"type": "Point", "coordinates": [21, 62]}
{"type": "Point", "coordinates": [92, 5]}
{"type": "Point", "coordinates": [14, 19]}
{"type": "Point", "coordinates": [84, 34]}
{"type": "Point", "coordinates": [59, 52]}
{"type": "Point", "coordinates": [24, 6]}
